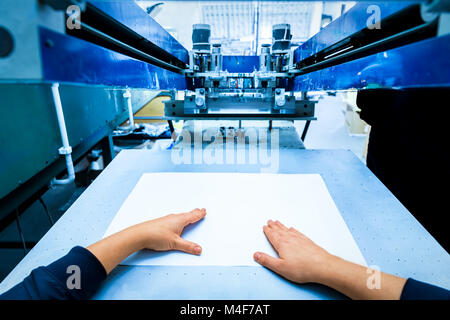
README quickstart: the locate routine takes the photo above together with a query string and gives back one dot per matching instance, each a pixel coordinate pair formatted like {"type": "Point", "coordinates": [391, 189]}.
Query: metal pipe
{"type": "Point", "coordinates": [66, 149]}
{"type": "Point", "coordinates": [131, 126]}
{"type": "Point", "coordinates": [305, 130]}
{"type": "Point", "coordinates": [127, 95]}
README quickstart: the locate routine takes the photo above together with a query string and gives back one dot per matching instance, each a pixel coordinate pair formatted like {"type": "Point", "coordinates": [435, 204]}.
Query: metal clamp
{"type": "Point", "coordinates": [65, 150]}
{"type": "Point", "coordinates": [280, 99]}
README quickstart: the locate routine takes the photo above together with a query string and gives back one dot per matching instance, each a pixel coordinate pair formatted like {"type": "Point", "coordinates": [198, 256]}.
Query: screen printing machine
{"type": "Point", "coordinates": [74, 76]}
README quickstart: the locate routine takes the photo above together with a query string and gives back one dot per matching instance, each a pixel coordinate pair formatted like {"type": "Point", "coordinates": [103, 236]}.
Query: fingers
{"type": "Point", "coordinates": [276, 225]}
{"type": "Point", "coordinates": [272, 236]}
{"type": "Point", "coordinates": [193, 216]}
{"type": "Point", "coordinates": [267, 261]}
{"type": "Point", "coordinates": [187, 246]}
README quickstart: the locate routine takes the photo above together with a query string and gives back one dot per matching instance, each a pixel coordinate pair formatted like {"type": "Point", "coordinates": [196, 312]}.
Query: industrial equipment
{"type": "Point", "coordinates": [261, 92]}
{"type": "Point", "coordinates": [110, 58]}
{"type": "Point", "coordinates": [71, 71]}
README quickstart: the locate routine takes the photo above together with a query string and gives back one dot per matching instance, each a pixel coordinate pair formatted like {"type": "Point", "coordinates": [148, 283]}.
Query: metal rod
{"type": "Point", "coordinates": [257, 27]}
{"type": "Point", "coordinates": [253, 116]}
{"type": "Point", "coordinates": [172, 129]}
{"type": "Point", "coordinates": [123, 45]}
{"type": "Point", "coordinates": [305, 130]}
{"type": "Point", "coordinates": [365, 48]}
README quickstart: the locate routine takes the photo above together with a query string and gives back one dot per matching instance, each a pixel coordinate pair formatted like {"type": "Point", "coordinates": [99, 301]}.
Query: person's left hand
{"type": "Point", "coordinates": [164, 233]}
{"type": "Point", "coordinates": [300, 259]}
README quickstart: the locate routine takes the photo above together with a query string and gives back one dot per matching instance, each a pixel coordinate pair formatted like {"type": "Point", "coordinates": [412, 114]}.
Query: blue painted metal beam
{"type": "Point", "coordinates": [349, 23]}
{"type": "Point", "coordinates": [241, 64]}
{"type": "Point", "coordinates": [129, 14]}
{"type": "Point", "coordinates": [419, 64]}
{"type": "Point", "coordinates": [69, 59]}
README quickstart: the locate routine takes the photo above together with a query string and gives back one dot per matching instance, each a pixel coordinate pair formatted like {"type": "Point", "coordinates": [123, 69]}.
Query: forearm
{"type": "Point", "coordinates": [353, 280]}
{"type": "Point", "coordinates": [115, 248]}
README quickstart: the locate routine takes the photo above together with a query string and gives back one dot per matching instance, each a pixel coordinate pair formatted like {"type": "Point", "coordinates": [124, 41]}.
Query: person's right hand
{"type": "Point", "coordinates": [164, 233]}
{"type": "Point", "coordinates": [300, 259]}
{"type": "Point", "coordinates": [161, 234]}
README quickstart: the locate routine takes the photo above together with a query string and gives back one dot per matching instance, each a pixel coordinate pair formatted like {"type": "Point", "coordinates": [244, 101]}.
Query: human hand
{"type": "Point", "coordinates": [163, 234]}
{"type": "Point", "coordinates": [300, 259]}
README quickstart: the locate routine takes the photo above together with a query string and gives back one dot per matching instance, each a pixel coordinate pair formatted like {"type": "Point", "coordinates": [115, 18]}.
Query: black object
{"type": "Point", "coordinates": [305, 130]}
{"type": "Point", "coordinates": [281, 37]}
{"type": "Point", "coordinates": [52, 282]}
{"type": "Point", "coordinates": [408, 152]}
{"type": "Point", "coordinates": [6, 42]}
{"type": "Point", "coordinates": [418, 290]}
{"type": "Point", "coordinates": [171, 128]}
{"type": "Point", "coordinates": [138, 136]}
{"type": "Point", "coordinates": [201, 34]}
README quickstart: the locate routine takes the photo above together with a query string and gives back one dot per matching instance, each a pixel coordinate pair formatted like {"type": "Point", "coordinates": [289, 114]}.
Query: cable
{"type": "Point", "coordinates": [46, 211]}
{"type": "Point", "coordinates": [19, 228]}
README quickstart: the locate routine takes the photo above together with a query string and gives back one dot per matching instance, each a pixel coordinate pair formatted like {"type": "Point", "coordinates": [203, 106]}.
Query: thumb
{"type": "Point", "coordinates": [187, 246]}
{"type": "Point", "coordinates": [267, 261]}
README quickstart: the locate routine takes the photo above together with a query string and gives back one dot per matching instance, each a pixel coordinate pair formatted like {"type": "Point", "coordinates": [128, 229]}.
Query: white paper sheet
{"type": "Point", "coordinates": [238, 205]}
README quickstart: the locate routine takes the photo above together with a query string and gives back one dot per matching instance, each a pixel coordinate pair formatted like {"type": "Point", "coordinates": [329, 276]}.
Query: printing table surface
{"type": "Point", "coordinates": [388, 236]}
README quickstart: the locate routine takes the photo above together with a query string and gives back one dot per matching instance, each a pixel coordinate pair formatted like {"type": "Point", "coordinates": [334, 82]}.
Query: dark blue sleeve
{"type": "Point", "coordinates": [417, 290]}
{"type": "Point", "coordinates": [77, 275]}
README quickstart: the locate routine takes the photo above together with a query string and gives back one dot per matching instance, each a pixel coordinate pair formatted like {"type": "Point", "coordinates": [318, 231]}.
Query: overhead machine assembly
{"type": "Point", "coordinates": [241, 87]}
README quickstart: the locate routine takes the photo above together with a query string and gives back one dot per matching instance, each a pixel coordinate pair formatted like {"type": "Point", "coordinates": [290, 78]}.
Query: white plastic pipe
{"type": "Point", "coordinates": [127, 96]}
{"type": "Point", "coordinates": [66, 149]}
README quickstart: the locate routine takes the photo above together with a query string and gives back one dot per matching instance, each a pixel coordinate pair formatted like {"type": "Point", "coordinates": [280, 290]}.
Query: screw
{"type": "Point", "coordinates": [49, 43]}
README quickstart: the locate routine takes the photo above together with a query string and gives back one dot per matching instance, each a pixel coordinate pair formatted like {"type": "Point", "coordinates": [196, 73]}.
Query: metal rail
{"type": "Point", "coordinates": [129, 48]}
{"type": "Point", "coordinates": [359, 52]}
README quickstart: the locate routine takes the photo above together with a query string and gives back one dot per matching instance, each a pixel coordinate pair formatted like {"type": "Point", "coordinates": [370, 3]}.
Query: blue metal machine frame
{"type": "Point", "coordinates": [349, 23]}
{"type": "Point", "coordinates": [69, 59]}
{"type": "Point", "coordinates": [407, 66]}
{"type": "Point", "coordinates": [241, 64]}
{"type": "Point", "coordinates": [128, 13]}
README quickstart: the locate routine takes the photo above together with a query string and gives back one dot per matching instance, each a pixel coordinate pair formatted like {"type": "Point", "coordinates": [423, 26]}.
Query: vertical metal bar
{"type": "Point", "coordinates": [107, 146]}
{"type": "Point", "coordinates": [257, 28]}
{"type": "Point", "coordinates": [305, 130]}
{"type": "Point", "coordinates": [172, 129]}
{"type": "Point", "coordinates": [270, 125]}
